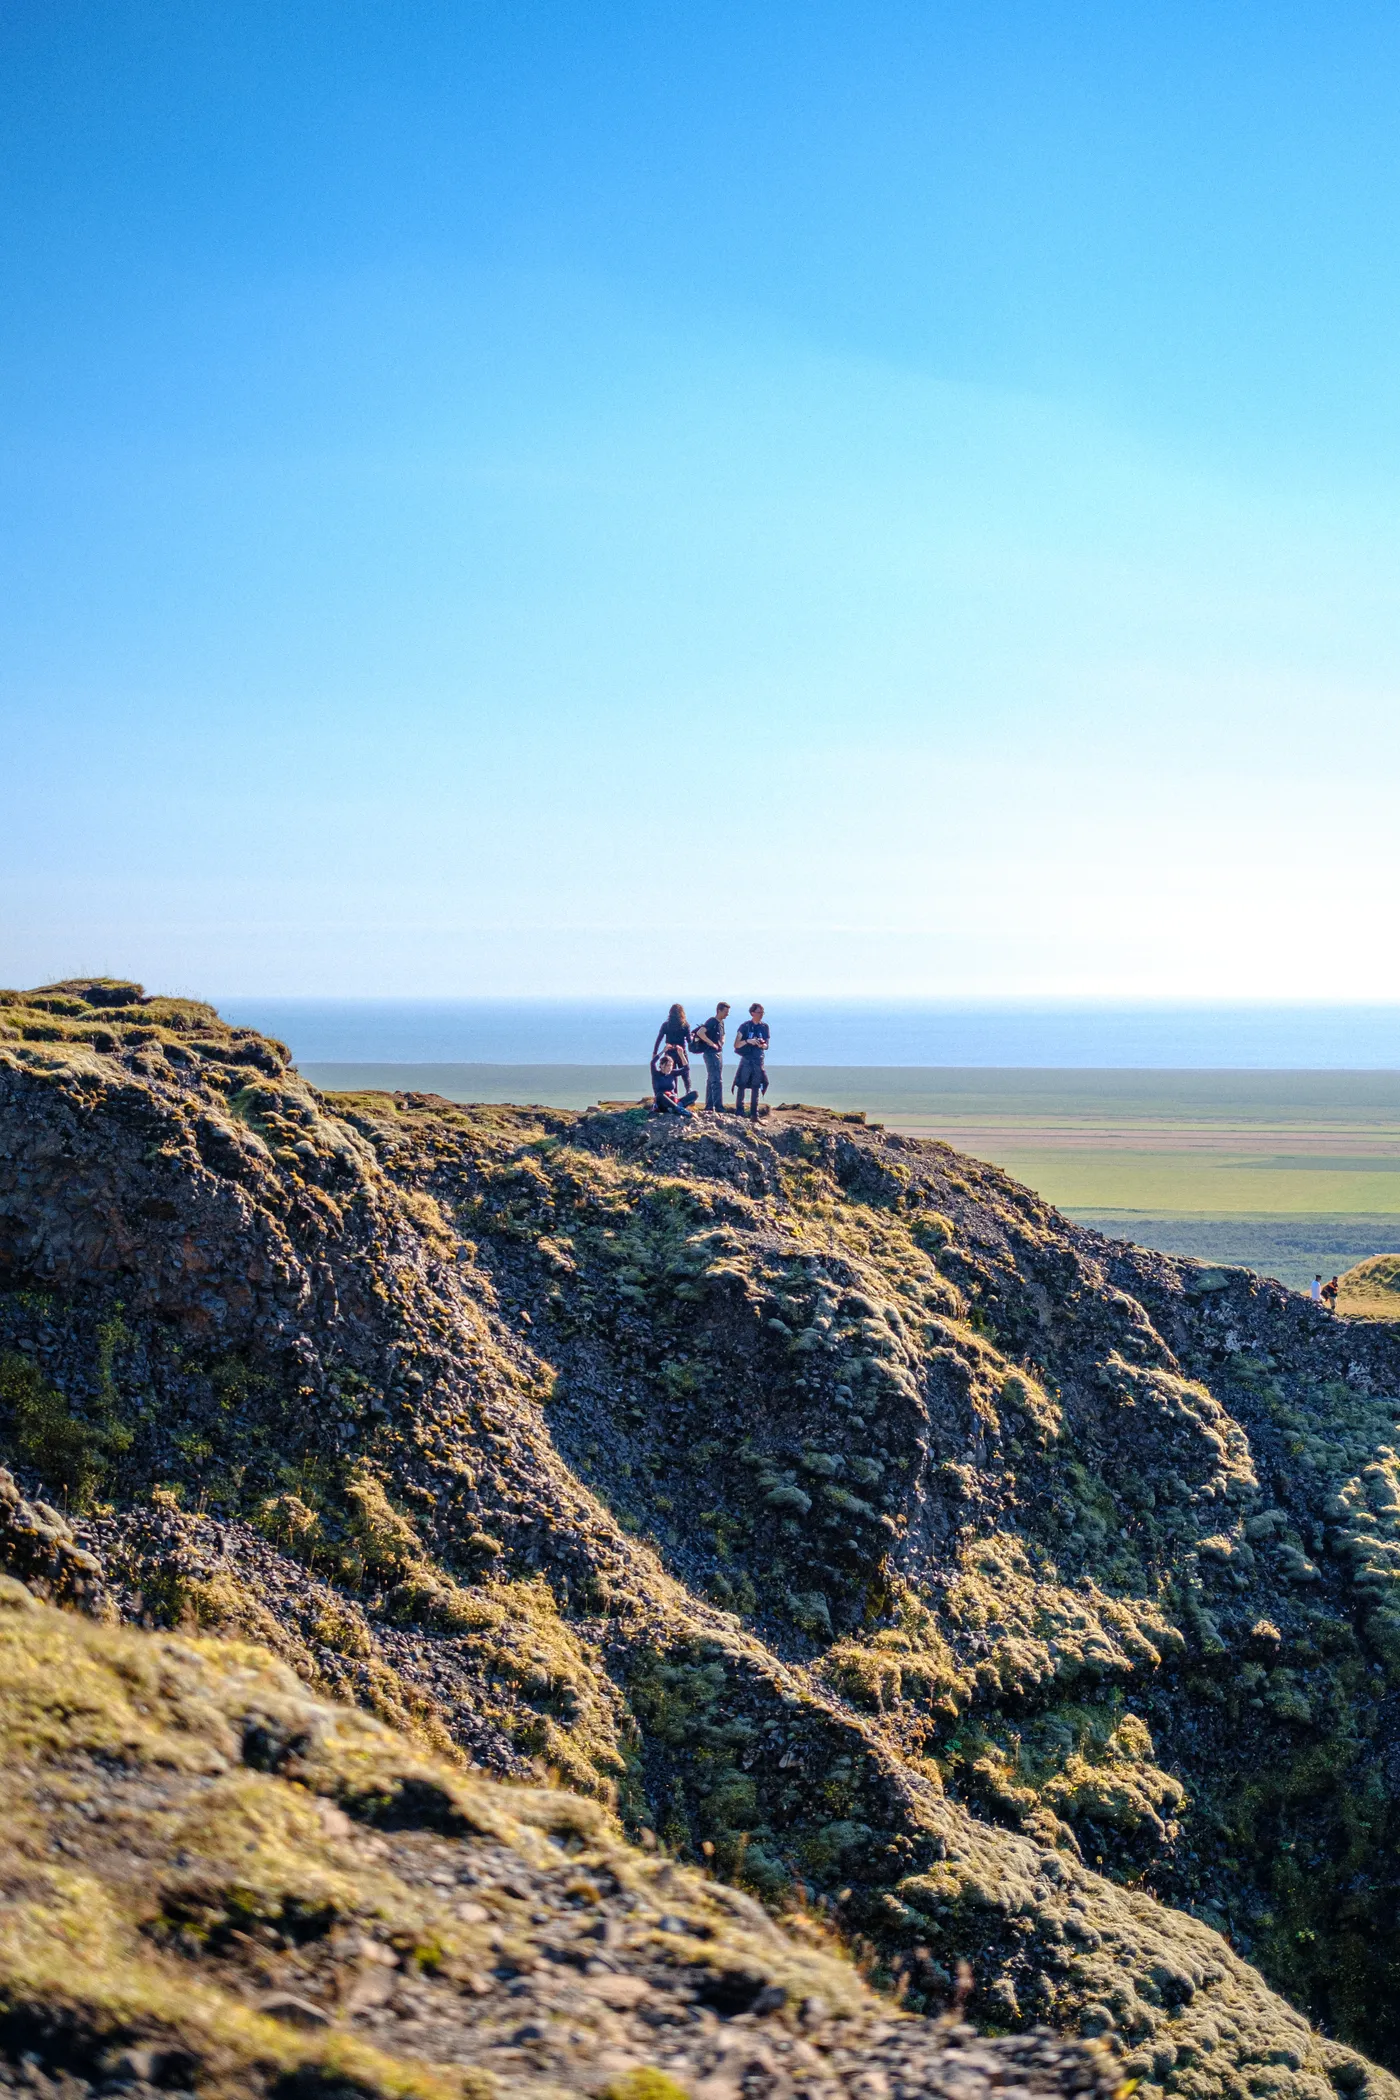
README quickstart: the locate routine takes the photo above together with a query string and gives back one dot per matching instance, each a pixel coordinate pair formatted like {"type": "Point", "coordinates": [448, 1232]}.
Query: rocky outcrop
{"type": "Point", "coordinates": [217, 1883]}
{"type": "Point", "coordinates": [37, 1548]}
{"type": "Point", "coordinates": [814, 1499]}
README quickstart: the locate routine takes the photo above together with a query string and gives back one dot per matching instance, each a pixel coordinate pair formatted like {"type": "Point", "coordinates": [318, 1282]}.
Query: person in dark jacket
{"type": "Point", "coordinates": [674, 1032]}
{"type": "Point", "coordinates": [751, 1042]}
{"type": "Point", "coordinates": [668, 1099]}
{"type": "Point", "coordinates": [708, 1039]}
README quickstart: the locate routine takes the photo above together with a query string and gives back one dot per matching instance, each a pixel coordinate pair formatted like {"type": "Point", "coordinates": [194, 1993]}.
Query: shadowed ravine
{"type": "Point", "coordinates": [813, 1499]}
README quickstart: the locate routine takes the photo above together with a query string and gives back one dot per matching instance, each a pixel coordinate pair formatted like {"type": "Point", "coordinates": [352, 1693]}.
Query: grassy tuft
{"type": "Point", "coordinates": [1371, 1290]}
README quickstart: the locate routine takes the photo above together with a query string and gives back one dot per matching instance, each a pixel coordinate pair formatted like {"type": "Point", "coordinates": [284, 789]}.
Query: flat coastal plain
{"type": "Point", "coordinates": [1287, 1172]}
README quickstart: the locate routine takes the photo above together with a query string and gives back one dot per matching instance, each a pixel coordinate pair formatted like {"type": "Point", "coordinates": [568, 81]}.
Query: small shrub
{"type": "Point", "coordinates": [294, 1525]}
{"type": "Point", "coordinates": [389, 1546]}
{"type": "Point", "coordinates": [427, 1215]}
{"type": "Point", "coordinates": [336, 1627]}
{"type": "Point", "coordinates": [69, 1452]}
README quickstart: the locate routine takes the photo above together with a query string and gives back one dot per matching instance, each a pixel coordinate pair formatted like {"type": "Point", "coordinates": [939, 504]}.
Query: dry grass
{"type": "Point", "coordinates": [1371, 1291]}
{"type": "Point", "coordinates": [169, 1799]}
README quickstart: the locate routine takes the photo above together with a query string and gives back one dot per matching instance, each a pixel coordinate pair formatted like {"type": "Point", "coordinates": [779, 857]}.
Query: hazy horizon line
{"type": "Point", "coordinates": [932, 1002]}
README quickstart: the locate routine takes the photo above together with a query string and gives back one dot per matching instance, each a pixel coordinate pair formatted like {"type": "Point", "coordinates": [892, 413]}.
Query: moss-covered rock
{"type": "Point", "coordinates": [217, 1882]}
{"type": "Point", "coordinates": [813, 1497]}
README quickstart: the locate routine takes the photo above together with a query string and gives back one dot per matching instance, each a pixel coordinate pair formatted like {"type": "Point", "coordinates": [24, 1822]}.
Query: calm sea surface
{"type": "Point", "coordinates": [834, 1032]}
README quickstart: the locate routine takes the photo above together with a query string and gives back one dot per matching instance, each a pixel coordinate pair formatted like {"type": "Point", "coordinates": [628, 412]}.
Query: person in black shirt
{"type": "Point", "coordinates": [751, 1042]}
{"type": "Point", "coordinates": [708, 1039]}
{"type": "Point", "coordinates": [666, 1088]}
{"type": "Point", "coordinates": [674, 1032]}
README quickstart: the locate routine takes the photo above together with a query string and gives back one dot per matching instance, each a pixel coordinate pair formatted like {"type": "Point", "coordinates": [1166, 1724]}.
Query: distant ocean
{"type": "Point", "coordinates": [839, 1032]}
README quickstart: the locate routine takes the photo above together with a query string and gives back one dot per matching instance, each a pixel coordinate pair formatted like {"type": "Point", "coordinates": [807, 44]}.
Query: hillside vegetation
{"type": "Point", "coordinates": [215, 1881]}
{"type": "Point", "coordinates": [1371, 1289]}
{"type": "Point", "coordinates": [814, 1502]}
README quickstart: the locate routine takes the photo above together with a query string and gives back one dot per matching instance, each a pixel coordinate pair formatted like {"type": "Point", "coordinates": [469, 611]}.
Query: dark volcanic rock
{"type": "Point", "coordinates": [817, 1498]}
{"type": "Point", "coordinates": [245, 1891]}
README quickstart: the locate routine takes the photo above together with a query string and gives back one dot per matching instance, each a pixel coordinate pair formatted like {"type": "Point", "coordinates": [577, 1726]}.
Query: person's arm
{"type": "Point", "coordinates": [660, 1035]}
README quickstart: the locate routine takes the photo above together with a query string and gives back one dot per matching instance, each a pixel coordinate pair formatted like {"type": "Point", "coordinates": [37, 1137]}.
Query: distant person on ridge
{"type": "Point", "coordinates": [1315, 1290]}
{"type": "Point", "coordinates": [708, 1039]}
{"type": "Point", "coordinates": [751, 1042]}
{"type": "Point", "coordinates": [674, 1032]}
{"type": "Point", "coordinates": [1329, 1294]}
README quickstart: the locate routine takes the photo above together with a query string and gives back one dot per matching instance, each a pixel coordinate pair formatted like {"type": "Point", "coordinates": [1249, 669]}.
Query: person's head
{"type": "Point", "coordinates": [723, 1008]}
{"type": "Point", "coordinates": [676, 1018]}
{"type": "Point", "coordinates": [755, 1012]}
{"type": "Point", "coordinates": [665, 1063]}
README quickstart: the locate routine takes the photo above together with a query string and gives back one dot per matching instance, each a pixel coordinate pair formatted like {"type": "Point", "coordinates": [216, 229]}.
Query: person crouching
{"type": "Point", "coordinates": [667, 1098]}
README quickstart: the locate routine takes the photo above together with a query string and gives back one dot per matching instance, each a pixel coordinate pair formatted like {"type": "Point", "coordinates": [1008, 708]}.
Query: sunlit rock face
{"type": "Point", "coordinates": [814, 1499]}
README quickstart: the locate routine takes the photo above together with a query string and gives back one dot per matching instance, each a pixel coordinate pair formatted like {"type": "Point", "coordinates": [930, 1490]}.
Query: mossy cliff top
{"type": "Point", "coordinates": [215, 1882]}
{"type": "Point", "coordinates": [814, 1498]}
{"type": "Point", "coordinates": [1371, 1290]}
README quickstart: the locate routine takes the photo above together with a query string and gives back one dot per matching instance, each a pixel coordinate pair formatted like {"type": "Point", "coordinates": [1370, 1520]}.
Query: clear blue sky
{"type": "Point", "coordinates": [535, 498]}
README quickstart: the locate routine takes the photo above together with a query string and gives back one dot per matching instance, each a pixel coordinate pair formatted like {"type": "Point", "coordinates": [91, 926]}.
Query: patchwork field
{"type": "Point", "coordinates": [1288, 1172]}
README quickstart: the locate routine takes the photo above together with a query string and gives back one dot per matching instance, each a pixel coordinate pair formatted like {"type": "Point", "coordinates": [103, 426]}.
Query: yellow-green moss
{"type": "Point", "coordinates": [71, 1451]}
{"type": "Point", "coordinates": [643, 2085]}
{"type": "Point", "coordinates": [169, 1721]}
{"type": "Point", "coordinates": [1371, 1290]}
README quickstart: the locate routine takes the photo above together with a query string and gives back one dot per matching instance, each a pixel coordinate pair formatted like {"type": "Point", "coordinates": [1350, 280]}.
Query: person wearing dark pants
{"type": "Point", "coordinates": [751, 1042]}
{"type": "Point", "coordinates": [674, 1033]}
{"type": "Point", "coordinates": [668, 1099]}
{"type": "Point", "coordinates": [708, 1039]}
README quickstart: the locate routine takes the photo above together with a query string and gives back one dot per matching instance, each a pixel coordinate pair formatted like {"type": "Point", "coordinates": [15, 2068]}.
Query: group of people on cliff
{"type": "Point", "coordinates": [672, 1092]}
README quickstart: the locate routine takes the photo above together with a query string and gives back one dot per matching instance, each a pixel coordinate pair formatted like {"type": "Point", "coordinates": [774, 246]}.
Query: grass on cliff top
{"type": "Point", "coordinates": [201, 1794]}
{"type": "Point", "coordinates": [106, 1015]}
{"type": "Point", "coordinates": [1263, 1143]}
{"type": "Point", "coordinates": [1371, 1290]}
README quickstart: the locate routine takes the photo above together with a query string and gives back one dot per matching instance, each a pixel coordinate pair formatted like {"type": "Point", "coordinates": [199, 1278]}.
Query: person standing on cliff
{"type": "Point", "coordinates": [674, 1035]}
{"type": "Point", "coordinates": [708, 1039]}
{"type": "Point", "coordinates": [751, 1042]}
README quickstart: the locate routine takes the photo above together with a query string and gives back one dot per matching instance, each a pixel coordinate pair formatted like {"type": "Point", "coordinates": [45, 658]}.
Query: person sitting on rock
{"type": "Point", "coordinates": [674, 1035]}
{"type": "Point", "coordinates": [751, 1042]}
{"type": "Point", "coordinates": [668, 1100]}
